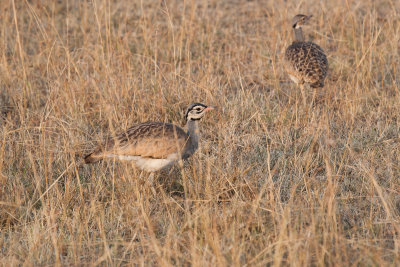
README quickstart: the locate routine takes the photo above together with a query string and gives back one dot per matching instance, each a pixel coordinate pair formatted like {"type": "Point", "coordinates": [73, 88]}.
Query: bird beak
{"type": "Point", "coordinates": [210, 108]}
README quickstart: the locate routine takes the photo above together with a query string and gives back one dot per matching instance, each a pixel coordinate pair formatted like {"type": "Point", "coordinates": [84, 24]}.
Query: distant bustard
{"type": "Point", "coordinates": [153, 146]}
{"type": "Point", "coordinates": [305, 62]}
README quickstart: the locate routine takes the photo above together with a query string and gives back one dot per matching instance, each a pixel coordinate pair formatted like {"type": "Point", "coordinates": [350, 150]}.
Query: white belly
{"type": "Point", "coordinates": [148, 164]}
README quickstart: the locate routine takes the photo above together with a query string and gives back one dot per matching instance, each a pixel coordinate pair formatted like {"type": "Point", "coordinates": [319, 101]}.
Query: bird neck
{"type": "Point", "coordinates": [193, 132]}
{"type": "Point", "coordinates": [298, 35]}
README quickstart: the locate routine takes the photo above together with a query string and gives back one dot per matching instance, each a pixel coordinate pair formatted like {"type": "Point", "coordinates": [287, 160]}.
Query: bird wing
{"type": "Point", "coordinates": [307, 61]}
{"type": "Point", "coordinates": [149, 140]}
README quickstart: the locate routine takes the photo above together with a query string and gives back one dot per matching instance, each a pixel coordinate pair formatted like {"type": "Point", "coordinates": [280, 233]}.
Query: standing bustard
{"type": "Point", "coordinates": [305, 62]}
{"type": "Point", "coordinates": [154, 145]}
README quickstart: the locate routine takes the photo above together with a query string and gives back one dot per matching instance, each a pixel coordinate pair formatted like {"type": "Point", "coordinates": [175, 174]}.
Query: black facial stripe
{"type": "Point", "coordinates": [198, 105]}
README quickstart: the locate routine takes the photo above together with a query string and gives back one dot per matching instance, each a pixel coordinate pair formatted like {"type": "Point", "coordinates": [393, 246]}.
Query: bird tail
{"type": "Point", "coordinates": [91, 158]}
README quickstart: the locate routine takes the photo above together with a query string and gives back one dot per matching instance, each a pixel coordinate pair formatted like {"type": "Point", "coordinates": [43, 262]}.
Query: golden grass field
{"type": "Point", "coordinates": [277, 181]}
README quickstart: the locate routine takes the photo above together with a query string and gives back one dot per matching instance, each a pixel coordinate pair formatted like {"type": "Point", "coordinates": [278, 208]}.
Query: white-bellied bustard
{"type": "Point", "coordinates": [305, 62]}
{"type": "Point", "coordinates": [153, 146]}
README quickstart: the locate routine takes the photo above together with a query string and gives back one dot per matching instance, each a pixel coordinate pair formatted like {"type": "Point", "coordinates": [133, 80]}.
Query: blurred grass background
{"type": "Point", "coordinates": [276, 181]}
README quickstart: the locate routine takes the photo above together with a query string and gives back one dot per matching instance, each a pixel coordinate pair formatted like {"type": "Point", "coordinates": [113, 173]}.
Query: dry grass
{"type": "Point", "coordinates": [275, 181]}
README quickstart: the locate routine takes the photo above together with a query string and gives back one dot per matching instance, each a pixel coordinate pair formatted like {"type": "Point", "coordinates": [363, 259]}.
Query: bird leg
{"type": "Point", "coordinates": [303, 94]}
{"type": "Point", "coordinates": [314, 96]}
{"type": "Point", "coordinates": [150, 179]}
{"type": "Point", "coordinates": [150, 183]}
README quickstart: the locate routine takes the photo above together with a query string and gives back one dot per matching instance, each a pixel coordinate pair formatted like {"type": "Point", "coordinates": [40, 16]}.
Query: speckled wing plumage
{"type": "Point", "coordinates": [306, 62]}
{"type": "Point", "coordinates": [153, 140]}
